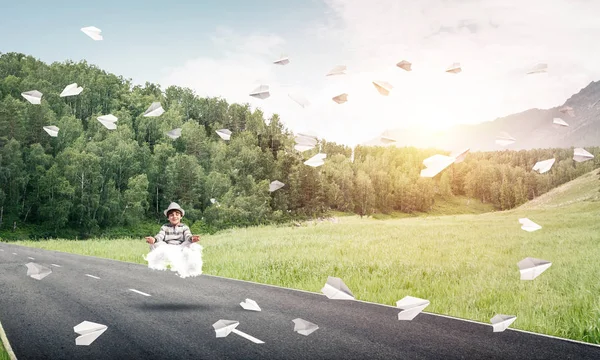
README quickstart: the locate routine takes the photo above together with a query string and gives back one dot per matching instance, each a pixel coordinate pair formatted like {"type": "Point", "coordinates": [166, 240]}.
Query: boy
{"type": "Point", "coordinates": [175, 246]}
{"type": "Point", "coordinates": [173, 233]}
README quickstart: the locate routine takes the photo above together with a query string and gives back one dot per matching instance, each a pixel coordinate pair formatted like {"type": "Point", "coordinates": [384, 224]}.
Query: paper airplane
{"type": "Point", "coordinates": [454, 68]}
{"type": "Point", "coordinates": [108, 124]}
{"type": "Point", "coordinates": [502, 322]}
{"type": "Point", "coordinates": [531, 268]}
{"type": "Point", "coordinates": [304, 327]}
{"type": "Point", "coordinates": [299, 99]}
{"type": "Point", "coordinates": [338, 70]}
{"type": "Point", "coordinates": [539, 68]}
{"type": "Point", "coordinates": [336, 289]}
{"type": "Point", "coordinates": [155, 109]}
{"type": "Point", "coordinates": [34, 96]}
{"type": "Point", "coordinates": [261, 92]}
{"type": "Point", "coordinates": [250, 304]}
{"type": "Point", "coordinates": [436, 164]}
{"type": "Point", "coordinates": [226, 327]}
{"type": "Point", "coordinates": [303, 148]}
{"type": "Point", "coordinates": [559, 121]}
{"type": "Point", "coordinates": [225, 134]}
{"type": "Point", "coordinates": [71, 90]}
{"type": "Point", "coordinates": [306, 139]}
{"type": "Point", "coordinates": [109, 121]}
{"type": "Point", "coordinates": [276, 185]}
{"type": "Point", "coordinates": [37, 271]}
{"type": "Point", "coordinates": [567, 110]}
{"type": "Point", "coordinates": [543, 166]}
{"type": "Point", "coordinates": [404, 65]}
{"type": "Point", "coordinates": [89, 332]}
{"type": "Point", "coordinates": [92, 32]}
{"type": "Point", "coordinates": [580, 155]}
{"type": "Point", "coordinates": [387, 139]}
{"type": "Point", "coordinates": [51, 130]}
{"type": "Point", "coordinates": [284, 60]}
{"type": "Point", "coordinates": [174, 134]}
{"type": "Point", "coordinates": [213, 200]}
{"type": "Point", "coordinates": [383, 87]}
{"type": "Point", "coordinates": [411, 307]}
{"type": "Point", "coordinates": [109, 117]}
{"type": "Point", "coordinates": [316, 160]}
{"type": "Point", "coordinates": [529, 225]}
{"type": "Point", "coordinates": [340, 99]}
{"type": "Point", "coordinates": [504, 139]}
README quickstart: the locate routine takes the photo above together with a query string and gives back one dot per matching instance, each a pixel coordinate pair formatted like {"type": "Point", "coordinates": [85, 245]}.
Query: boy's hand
{"type": "Point", "coordinates": [150, 240]}
{"type": "Point", "coordinates": [195, 238]}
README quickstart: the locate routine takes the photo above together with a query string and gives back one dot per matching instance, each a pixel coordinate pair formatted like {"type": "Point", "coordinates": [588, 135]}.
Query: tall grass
{"type": "Point", "coordinates": [466, 265]}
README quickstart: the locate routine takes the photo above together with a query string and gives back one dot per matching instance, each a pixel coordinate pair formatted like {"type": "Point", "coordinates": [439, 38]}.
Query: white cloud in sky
{"type": "Point", "coordinates": [495, 41]}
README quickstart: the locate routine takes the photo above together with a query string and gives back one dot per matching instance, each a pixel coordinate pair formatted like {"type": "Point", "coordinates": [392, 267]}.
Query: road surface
{"type": "Point", "coordinates": [175, 321]}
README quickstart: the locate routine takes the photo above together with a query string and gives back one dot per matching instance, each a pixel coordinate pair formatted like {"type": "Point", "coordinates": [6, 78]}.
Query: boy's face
{"type": "Point", "coordinates": [174, 217]}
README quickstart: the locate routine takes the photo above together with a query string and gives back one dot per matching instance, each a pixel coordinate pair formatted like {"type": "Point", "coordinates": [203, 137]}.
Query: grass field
{"type": "Point", "coordinates": [466, 265]}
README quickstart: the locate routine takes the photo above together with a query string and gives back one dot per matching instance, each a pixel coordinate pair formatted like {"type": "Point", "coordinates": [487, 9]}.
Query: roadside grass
{"type": "Point", "coordinates": [466, 265]}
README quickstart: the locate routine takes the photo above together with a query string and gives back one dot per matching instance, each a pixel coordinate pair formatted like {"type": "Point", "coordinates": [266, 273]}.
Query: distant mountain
{"type": "Point", "coordinates": [532, 129]}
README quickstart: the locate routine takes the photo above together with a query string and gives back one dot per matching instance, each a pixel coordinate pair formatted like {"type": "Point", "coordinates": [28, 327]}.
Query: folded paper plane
{"type": "Point", "coordinates": [92, 32]}
{"type": "Point", "coordinates": [338, 70]}
{"type": "Point", "coordinates": [580, 155]}
{"type": "Point", "coordinates": [543, 166]}
{"type": "Point", "coordinates": [109, 117]}
{"type": "Point", "coordinates": [108, 124]}
{"type": "Point", "coordinates": [539, 68]}
{"type": "Point", "coordinates": [34, 96]}
{"type": "Point", "coordinates": [316, 160]}
{"type": "Point", "coordinates": [303, 148]}
{"type": "Point", "coordinates": [454, 68]}
{"type": "Point", "coordinates": [299, 99]}
{"type": "Point", "coordinates": [340, 99]}
{"type": "Point", "coordinates": [71, 90]}
{"type": "Point", "coordinates": [226, 327]}
{"type": "Point", "coordinates": [261, 92]}
{"type": "Point", "coordinates": [89, 332]}
{"type": "Point", "coordinates": [304, 327]}
{"type": "Point", "coordinates": [174, 134]}
{"type": "Point", "coordinates": [404, 65]}
{"type": "Point", "coordinates": [504, 139]}
{"type": "Point", "coordinates": [250, 304]}
{"type": "Point", "coordinates": [155, 109]}
{"type": "Point", "coordinates": [387, 139]}
{"type": "Point", "coordinates": [284, 60]}
{"type": "Point", "coordinates": [276, 185]}
{"type": "Point", "coordinates": [383, 87]}
{"type": "Point", "coordinates": [37, 271]}
{"type": "Point", "coordinates": [306, 139]}
{"type": "Point", "coordinates": [531, 268]}
{"type": "Point", "coordinates": [436, 164]}
{"type": "Point", "coordinates": [502, 322]}
{"type": "Point", "coordinates": [529, 225]}
{"type": "Point", "coordinates": [109, 121]}
{"type": "Point", "coordinates": [411, 307]}
{"type": "Point", "coordinates": [51, 130]}
{"type": "Point", "coordinates": [336, 289]}
{"type": "Point", "coordinates": [560, 122]}
{"type": "Point", "coordinates": [225, 134]}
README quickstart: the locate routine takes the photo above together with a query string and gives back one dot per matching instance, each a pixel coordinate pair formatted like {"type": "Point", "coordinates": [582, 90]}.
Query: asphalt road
{"type": "Point", "coordinates": [175, 321]}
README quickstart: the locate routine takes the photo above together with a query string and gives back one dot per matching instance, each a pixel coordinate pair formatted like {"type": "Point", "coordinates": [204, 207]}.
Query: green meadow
{"type": "Point", "coordinates": [466, 265]}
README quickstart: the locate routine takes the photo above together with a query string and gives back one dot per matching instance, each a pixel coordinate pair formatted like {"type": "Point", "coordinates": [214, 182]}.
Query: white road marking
{"type": "Point", "coordinates": [92, 276]}
{"type": "Point", "coordinates": [139, 292]}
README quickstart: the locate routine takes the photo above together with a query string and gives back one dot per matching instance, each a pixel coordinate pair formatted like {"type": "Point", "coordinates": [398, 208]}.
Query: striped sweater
{"type": "Point", "coordinates": [174, 235]}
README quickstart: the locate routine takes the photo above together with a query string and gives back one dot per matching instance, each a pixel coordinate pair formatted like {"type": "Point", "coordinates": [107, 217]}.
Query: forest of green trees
{"type": "Point", "coordinates": [90, 178]}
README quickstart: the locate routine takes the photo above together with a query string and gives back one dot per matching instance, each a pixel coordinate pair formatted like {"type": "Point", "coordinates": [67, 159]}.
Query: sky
{"type": "Point", "coordinates": [227, 49]}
